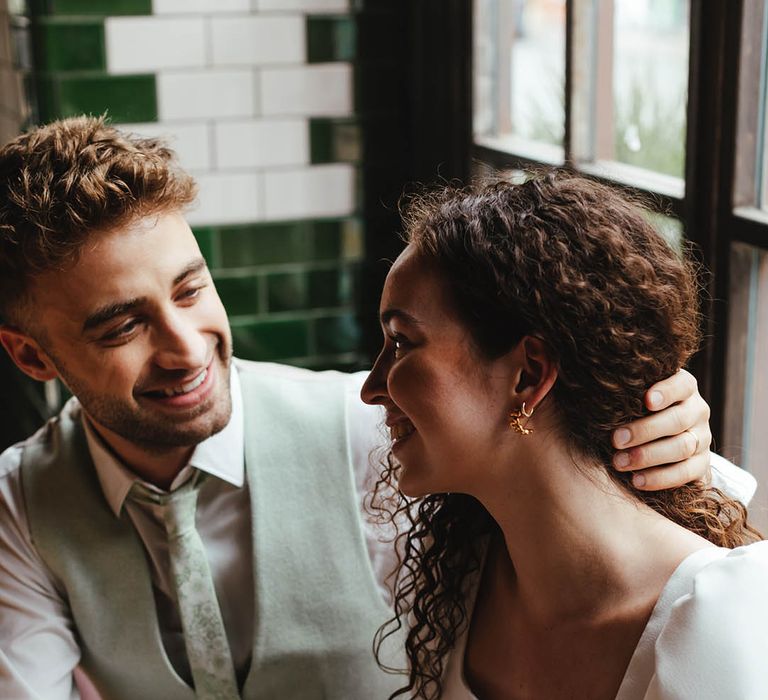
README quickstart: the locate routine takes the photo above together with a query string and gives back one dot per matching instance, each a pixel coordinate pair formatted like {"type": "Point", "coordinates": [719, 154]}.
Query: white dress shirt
{"type": "Point", "coordinates": [38, 647]}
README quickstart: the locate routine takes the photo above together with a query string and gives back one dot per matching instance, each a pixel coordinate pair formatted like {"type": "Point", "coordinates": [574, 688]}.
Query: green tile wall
{"type": "Point", "coordinates": [335, 141]}
{"type": "Point", "coordinates": [270, 340]}
{"type": "Point", "coordinates": [91, 7]}
{"type": "Point", "coordinates": [336, 334]}
{"type": "Point", "coordinates": [207, 240]}
{"type": "Point", "coordinates": [70, 46]}
{"type": "Point", "coordinates": [126, 98]}
{"type": "Point", "coordinates": [331, 39]}
{"type": "Point", "coordinates": [240, 294]}
{"type": "Point", "coordinates": [289, 242]}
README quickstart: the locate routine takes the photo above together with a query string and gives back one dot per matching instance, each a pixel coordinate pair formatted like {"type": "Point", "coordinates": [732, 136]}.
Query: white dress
{"type": "Point", "coordinates": [706, 639]}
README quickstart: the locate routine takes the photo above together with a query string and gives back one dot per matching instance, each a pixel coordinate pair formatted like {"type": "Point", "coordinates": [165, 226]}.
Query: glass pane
{"type": "Point", "coordinates": [650, 83]}
{"type": "Point", "coordinates": [519, 78]}
{"type": "Point", "coordinates": [746, 406]}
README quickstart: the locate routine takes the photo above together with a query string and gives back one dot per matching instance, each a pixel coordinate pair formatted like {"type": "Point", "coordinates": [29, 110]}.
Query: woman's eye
{"type": "Point", "coordinates": [400, 347]}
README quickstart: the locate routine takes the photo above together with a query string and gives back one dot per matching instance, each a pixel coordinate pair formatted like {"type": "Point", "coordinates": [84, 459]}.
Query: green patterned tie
{"type": "Point", "coordinates": [204, 637]}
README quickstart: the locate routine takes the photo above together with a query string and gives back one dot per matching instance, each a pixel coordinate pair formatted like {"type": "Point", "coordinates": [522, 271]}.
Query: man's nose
{"type": "Point", "coordinates": [180, 343]}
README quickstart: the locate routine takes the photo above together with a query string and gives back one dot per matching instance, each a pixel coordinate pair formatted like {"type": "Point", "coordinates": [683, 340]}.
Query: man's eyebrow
{"type": "Point", "coordinates": [388, 314]}
{"type": "Point", "coordinates": [110, 311]}
{"type": "Point", "coordinates": [192, 268]}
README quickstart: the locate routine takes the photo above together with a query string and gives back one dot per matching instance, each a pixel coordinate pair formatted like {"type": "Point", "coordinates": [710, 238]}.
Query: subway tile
{"type": "Point", "coordinates": [317, 191]}
{"type": "Point", "coordinates": [336, 334]}
{"type": "Point", "coordinates": [148, 44]}
{"type": "Point", "coordinates": [69, 46]}
{"type": "Point", "coordinates": [258, 40]}
{"type": "Point", "coordinates": [240, 295]}
{"type": "Point", "coordinates": [288, 292]}
{"type": "Point", "coordinates": [129, 98]}
{"type": "Point", "coordinates": [352, 247]}
{"type": "Point", "coordinates": [328, 288]}
{"type": "Point", "coordinates": [266, 244]}
{"type": "Point", "coordinates": [328, 239]}
{"type": "Point", "coordinates": [206, 94]}
{"type": "Point", "coordinates": [206, 237]}
{"type": "Point", "coordinates": [191, 142]}
{"type": "Point", "coordinates": [195, 7]}
{"type": "Point", "coordinates": [270, 340]}
{"type": "Point", "coordinates": [261, 143]}
{"type": "Point", "coordinates": [227, 198]}
{"type": "Point", "coordinates": [309, 6]}
{"type": "Point", "coordinates": [318, 90]}
{"type": "Point", "coordinates": [335, 141]}
{"type": "Point", "coordinates": [331, 39]}
{"type": "Point", "coordinates": [90, 7]}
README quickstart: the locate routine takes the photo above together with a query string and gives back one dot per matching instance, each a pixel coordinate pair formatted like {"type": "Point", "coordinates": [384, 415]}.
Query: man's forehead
{"type": "Point", "coordinates": [126, 268]}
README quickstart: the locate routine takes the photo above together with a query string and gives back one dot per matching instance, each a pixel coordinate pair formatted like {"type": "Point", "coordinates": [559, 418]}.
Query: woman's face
{"type": "Point", "coordinates": [446, 406]}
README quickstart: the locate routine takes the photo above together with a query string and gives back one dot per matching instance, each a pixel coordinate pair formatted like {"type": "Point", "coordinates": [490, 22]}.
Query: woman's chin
{"type": "Point", "coordinates": [412, 483]}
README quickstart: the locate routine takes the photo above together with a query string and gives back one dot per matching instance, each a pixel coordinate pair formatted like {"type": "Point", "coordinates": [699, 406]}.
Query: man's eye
{"type": "Point", "coordinates": [191, 293]}
{"type": "Point", "coordinates": [123, 331]}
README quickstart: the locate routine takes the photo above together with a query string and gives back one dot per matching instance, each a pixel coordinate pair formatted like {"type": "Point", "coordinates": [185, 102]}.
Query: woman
{"type": "Point", "coordinates": [522, 324]}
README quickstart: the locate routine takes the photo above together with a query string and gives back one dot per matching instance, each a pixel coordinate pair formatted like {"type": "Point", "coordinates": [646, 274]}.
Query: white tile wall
{"type": "Point", "coordinates": [228, 198]}
{"type": "Point", "coordinates": [206, 94]}
{"type": "Point", "coordinates": [234, 97]}
{"type": "Point", "coordinates": [312, 90]}
{"type": "Point", "coordinates": [191, 142]}
{"type": "Point", "coordinates": [321, 190]}
{"type": "Point", "coordinates": [258, 40]}
{"type": "Point", "coordinates": [303, 5]}
{"type": "Point", "coordinates": [148, 44]}
{"type": "Point", "coordinates": [262, 143]}
{"type": "Point", "coordinates": [193, 7]}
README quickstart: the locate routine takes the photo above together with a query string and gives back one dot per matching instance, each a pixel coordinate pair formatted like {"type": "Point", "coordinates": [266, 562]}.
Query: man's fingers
{"type": "Point", "coordinates": [665, 451]}
{"type": "Point", "coordinates": [673, 421]}
{"type": "Point", "coordinates": [678, 387]}
{"type": "Point", "coordinates": [673, 475]}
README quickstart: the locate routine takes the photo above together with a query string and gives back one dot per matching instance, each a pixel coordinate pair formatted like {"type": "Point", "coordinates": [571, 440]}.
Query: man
{"type": "Point", "coordinates": [187, 521]}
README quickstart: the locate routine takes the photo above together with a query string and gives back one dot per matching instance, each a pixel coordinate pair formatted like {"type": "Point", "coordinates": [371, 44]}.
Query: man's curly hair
{"type": "Point", "coordinates": [63, 182]}
{"type": "Point", "coordinates": [580, 266]}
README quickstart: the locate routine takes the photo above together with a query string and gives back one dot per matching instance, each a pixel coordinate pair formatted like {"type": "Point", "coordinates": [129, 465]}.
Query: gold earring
{"type": "Point", "coordinates": [515, 422]}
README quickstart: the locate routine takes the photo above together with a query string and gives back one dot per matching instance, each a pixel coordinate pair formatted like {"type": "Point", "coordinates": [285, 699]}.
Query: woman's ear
{"type": "Point", "coordinates": [27, 354]}
{"type": "Point", "coordinates": [536, 374]}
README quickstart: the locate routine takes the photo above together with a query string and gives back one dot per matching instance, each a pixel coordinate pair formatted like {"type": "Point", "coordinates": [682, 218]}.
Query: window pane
{"type": "Point", "coordinates": [519, 76]}
{"type": "Point", "coordinates": [629, 93]}
{"type": "Point", "coordinates": [650, 81]}
{"type": "Point", "coordinates": [746, 406]}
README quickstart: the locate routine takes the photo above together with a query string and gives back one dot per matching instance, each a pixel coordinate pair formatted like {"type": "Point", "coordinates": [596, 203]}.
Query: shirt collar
{"type": "Point", "coordinates": [221, 455]}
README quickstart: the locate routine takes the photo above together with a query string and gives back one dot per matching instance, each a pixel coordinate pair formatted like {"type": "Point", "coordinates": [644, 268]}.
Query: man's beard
{"type": "Point", "coordinates": [152, 431]}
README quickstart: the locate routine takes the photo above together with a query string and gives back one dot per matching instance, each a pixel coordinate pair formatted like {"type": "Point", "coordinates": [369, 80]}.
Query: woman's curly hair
{"type": "Point", "coordinates": [580, 266]}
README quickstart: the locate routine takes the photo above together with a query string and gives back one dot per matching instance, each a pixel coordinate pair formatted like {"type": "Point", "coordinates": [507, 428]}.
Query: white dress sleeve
{"type": "Point", "coordinates": [732, 480]}
{"type": "Point", "coordinates": [38, 651]}
{"type": "Point", "coordinates": [715, 642]}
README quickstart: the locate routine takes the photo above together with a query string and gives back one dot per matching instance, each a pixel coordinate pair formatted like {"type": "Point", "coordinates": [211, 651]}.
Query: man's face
{"type": "Point", "coordinates": [138, 333]}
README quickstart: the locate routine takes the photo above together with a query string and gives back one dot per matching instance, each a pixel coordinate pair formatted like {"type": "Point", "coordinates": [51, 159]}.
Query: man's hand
{"type": "Point", "coordinates": [669, 448]}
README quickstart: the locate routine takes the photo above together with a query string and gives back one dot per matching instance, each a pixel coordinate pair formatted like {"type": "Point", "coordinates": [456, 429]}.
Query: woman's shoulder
{"type": "Point", "coordinates": [715, 639]}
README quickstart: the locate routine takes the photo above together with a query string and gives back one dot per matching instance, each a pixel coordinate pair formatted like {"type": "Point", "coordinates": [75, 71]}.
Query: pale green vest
{"type": "Point", "coordinates": [317, 603]}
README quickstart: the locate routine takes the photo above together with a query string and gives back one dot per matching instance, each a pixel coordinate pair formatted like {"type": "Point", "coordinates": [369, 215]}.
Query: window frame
{"type": "Point", "coordinates": [708, 206]}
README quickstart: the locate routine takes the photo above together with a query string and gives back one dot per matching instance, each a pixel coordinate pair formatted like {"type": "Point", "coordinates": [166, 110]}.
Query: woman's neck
{"type": "Point", "coordinates": [580, 545]}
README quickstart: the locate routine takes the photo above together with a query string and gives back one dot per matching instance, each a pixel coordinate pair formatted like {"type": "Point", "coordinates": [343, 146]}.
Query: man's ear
{"type": "Point", "coordinates": [536, 374]}
{"type": "Point", "coordinates": [27, 354]}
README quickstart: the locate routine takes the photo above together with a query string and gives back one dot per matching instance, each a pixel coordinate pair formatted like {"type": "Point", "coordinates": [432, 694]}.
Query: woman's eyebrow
{"type": "Point", "coordinates": [388, 314]}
